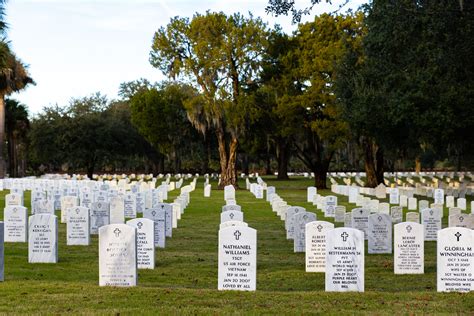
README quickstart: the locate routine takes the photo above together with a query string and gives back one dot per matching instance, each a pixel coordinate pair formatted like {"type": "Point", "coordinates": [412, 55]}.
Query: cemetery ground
{"type": "Point", "coordinates": [185, 278]}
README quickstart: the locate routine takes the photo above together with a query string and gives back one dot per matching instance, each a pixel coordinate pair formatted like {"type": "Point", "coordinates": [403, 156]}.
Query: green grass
{"type": "Point", "coordinates": [185, 278]}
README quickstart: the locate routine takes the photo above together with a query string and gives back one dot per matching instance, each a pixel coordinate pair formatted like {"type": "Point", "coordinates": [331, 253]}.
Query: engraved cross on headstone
{"type": "Point", "coordinates": [409, 228]}
{"type": "Point", "coordinates": [344, 236]}
{"type": "Point", "coordinates": [237, 234]}
{"type": "Point", "coordinates": [117, 232]}
{"type": "Point", "coordinates": [319, 227]}
{"type": "Point", "coordinates": [139, 225]}
{"type": "Point", "coordinates": [458, 235]}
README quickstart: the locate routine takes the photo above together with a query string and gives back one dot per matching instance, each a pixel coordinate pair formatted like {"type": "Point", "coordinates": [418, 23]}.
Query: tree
{"type": "Point", "coordinates": [413, 58]}
{"type": "Point", "coordinates": [160, 116]}
{"type": "Point", "coordinates": [285, 7]}
{"type": "Point", "coordinates": [17, 125]}
{"type": "Point", "coordinates": [221, 55]}
{"type": "Point", "coordinates": [312, 116]}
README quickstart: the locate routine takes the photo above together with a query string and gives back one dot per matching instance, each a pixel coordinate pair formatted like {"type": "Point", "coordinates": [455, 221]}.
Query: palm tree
{"type": "Point", "coordinates": [13, 78]}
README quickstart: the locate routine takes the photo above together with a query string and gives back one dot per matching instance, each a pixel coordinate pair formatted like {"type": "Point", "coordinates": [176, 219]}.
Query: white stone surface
{"type": "Point", "coordinates": [145, 242]}
{"type": "Point", "coordinates": [117, 255]}
{"type": "Point", "coordinates": [78, 226]}
{"type": "Point", "coordinates": [455, 260]}
{"type": "Point", "coordinates": [99, 216]}
{"type": "Point", "coordinates": [409, 245]}
{"type": "Point", "coordinates": [380, 233]}
{"type": "Point", "coordinates": [299, 240]}
{"type": "Point", "coordinates": [232, 216]}
{"type": "Point", "coordinates": [237, 266]}
{"type": "Point", "coordinates": [344, 260]}
{"type": "Point", "coordinates": [159, 217]}
{"type": "Point", "coordinates": [15, 224]}
{"type": "Point", "coordinates": [316, 245]}
{"type": "Point", "coordinates": [431, 220]}
{"type": "Point", "coordinates": [43, 238]}
{"type": "Point", "coordinates": [360, 220]}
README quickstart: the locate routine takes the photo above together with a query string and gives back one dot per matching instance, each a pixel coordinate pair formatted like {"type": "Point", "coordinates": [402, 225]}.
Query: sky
{"type": "Point", "coordinates": [74, 48]}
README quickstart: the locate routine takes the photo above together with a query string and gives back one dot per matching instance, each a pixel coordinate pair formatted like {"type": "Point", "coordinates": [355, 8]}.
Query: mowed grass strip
{"type": "Point", "coordinates": [185, 278]}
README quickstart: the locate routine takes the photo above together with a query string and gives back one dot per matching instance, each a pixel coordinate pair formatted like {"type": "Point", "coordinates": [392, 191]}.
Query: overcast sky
{"type": "Point", "coordinates": [77, 47]}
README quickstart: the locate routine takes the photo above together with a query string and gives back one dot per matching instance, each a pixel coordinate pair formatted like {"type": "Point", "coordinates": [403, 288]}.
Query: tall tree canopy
{"type": "Point", "coordinates": [220, 55]}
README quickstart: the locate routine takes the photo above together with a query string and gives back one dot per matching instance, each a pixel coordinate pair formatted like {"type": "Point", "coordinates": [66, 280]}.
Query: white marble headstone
{"type": "Point", "coordinates": [145, 242]}
{"type": "Point", "coordinates": [455, 263]}
{"type": "Point", "coordinates": [43, 238]}
{"type": "Point", "coordinates": [117, 255]}
{"type": "Point", "coordinates": [380, 233]}
{"type": "Point", "coordinates": [345, 260]}
{"type": "Point", "coordinates": [16, 224]}
{"type": "Point", "coordinates": [78, 226]}
{"type": "Point", "coordinates": [316, 245]}
{"type": "Point", "coordinates": [409, 245]}
{"type": "Point", "coordinates": [237, 266]}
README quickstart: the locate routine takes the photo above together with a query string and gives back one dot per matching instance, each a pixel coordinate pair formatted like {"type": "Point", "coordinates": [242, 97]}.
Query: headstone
{"type": "Point", "coordinates": [130, 205]}
{"type": "Point", "coordinates": [409, 253]}
{"type": "Point", "coordinates": [42, 207]}
{"type": "Point", "coordinates": [15, 224]}
{"type": "Point", "coordinates": [316, 245]}
{"type": "Point", "coordinates": [360, 220]}
{"type": "Point", "coordinates": [140, 202]}
{"type": "Point", "coordinates": [329, 205]}
{"type": "Point", "coordinates": [459, 220]}
{"type": "Point", "coordinates": [117, 210]}
{"type": "Point", "coordinates": [348, 220]}
{"type": "Point", "coordinates": [431, 220]}
{"type": "Point", "coordinates": [237, 259]}
{"type": "Point", "coordinates": [43, 238]}
{"type": "Point", "coordinates": [455, 263]}
{"type": "Point", "coordinates": [339, 214]}
{"type": "Point", "coordinates": [439, 196]}
{"type": "Point", "coordinates": [310, 193]}
{"type": "Point", "coordinates": [145, 242]}
{"type": "Point", "coordinates": [99, 216]}
{"type": "Point", "coordinates": [270, 192]}
{"type": "Point", "coordinates": [461, 203]}
{"type": "Point", "coordinates": [412, 205]}
{"type": "Point", "coordinates": [403, 200]}
{"type": "Point", "coordinates": [78, 226]}
{"type": "Point", "coordinates": [232, 216]}
{"type": "Point", "coordinates": [344, 260]}
{"type": "Point", "coordinates": [117, 255]}
{"type": "Point", "coordinates": [454, 211]}
{"type": "Point", "coordinates": [231, 208]}
{"type": "Point", "coordinates": [290, 220]}
{"type": "Point", "coordinates": [13, 199]}
{"type": "Point", "coordinates": [380, 233]}
{"type": "Point", "coordinates": [159, 217]}
{"type": "Point", "coordinates": [299, 240]}
{"type": "Point", "coordinates": [450, 201]}
{"type": "Point", "coordinates": [381, 191]}
{"type": "Point", "coordinates": [229, 192]}
{"type": "Point", "coordinates": [168, 218]}
{"type": "Point", "coordinates": [258, 191]}
{"type": "Point", "coordinates": [413, 217]}
{"type": "Point", "coordinates": [232, 223]}
{"type": "Point", "coordinates": [397, 214]}
{"type": "Point", "coordinates": [66, 203]}
{"type": "Point", "coordinates": [384, 208]}
{"type": "Point", "coordinates": [394, 197]}
{"type": "Point", "coordinates": [207, 190]}
{"type": "Point", "coordinates": [422, 204]}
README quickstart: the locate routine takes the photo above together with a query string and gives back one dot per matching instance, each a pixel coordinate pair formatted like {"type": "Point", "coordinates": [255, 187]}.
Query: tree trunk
{"type": "Point", "coordinates": [245, 164]}
{"type": "Point", "coordinates": [320, 177]}
{"type": "Point", "coordinates": [90, 170]}
{"type": "Point", "coordinates": [268, 168]}
{"type": "Point", "coordinates": [417, 165]}
{"type": "Point", "coordinates": [373, 162]}
{"type": "Point", "coordinates": [283, 157]}
{"type": "Point", "coordinates": [227, 161]}
{"type": "Point", "coordinates": [2, 135]}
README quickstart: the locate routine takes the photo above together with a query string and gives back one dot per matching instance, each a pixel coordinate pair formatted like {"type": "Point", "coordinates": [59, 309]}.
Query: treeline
{"type": "Point", "coordinates": [388, 87]}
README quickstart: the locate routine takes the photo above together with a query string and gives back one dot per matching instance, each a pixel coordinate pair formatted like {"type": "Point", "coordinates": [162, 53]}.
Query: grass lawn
{"type": "Point", "coordinates": [185, 278]}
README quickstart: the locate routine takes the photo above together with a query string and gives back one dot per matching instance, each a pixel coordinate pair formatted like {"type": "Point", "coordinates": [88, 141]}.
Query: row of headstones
{"type": "Point", "coordinates": [456, 217]}
{"type": "Point", "coordinates": [339, 252]}
{"type": "Point", "coordinates": [125, 248]}
{"type": "Point", "coordinates": [345, 260]}
{"type": "Point", "coordinates": [42, 233]}
{"type": "Point", "coordinates": [237, 249]}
